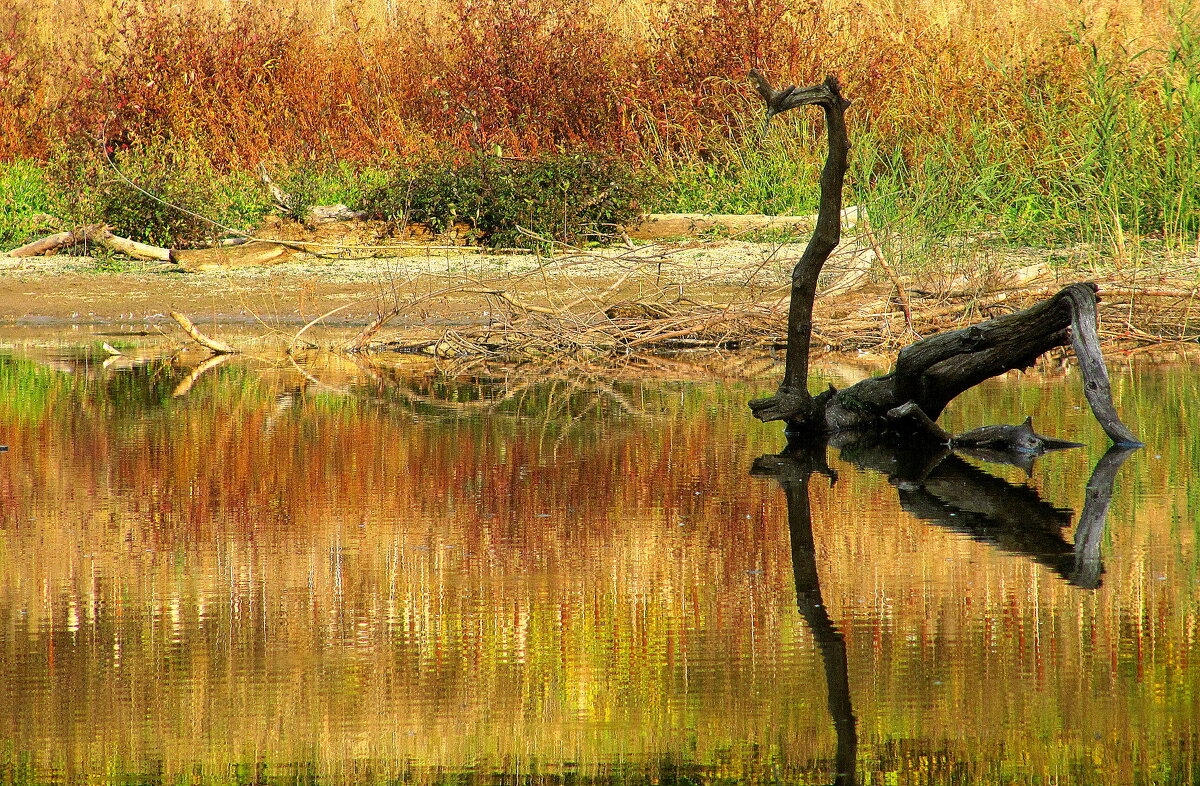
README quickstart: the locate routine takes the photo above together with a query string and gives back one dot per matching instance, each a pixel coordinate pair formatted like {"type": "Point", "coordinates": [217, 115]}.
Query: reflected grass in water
{"type": "Point", "coordinates": [267, 580]}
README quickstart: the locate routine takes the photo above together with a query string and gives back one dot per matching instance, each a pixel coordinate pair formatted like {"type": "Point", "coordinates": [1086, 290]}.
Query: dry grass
{"type": "Point", "coordinates": [1060, 121]}
{"type": "Point", "coordinates": [357, 79]}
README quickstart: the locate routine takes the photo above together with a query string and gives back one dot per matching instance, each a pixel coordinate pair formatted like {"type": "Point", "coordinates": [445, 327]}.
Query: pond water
{"type": "Point", "coordinates": [261, 576]}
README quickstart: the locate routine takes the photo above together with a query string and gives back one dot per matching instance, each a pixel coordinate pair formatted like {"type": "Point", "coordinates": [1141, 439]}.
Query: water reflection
{"type": "Point", "coordinates": [346, 577]}
{"type": "Point", "coordinates": [935, 485]}
{"type": "Point", "coordinates": [793, 469]}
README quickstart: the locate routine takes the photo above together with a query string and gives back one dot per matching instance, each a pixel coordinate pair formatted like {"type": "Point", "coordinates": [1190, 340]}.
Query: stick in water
{"type": "Point", "coordinates": [219, 347]}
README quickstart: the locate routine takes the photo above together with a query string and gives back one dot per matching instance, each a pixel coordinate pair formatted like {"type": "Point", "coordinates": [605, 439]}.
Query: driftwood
{"type": "Point", "coordinates": [793, 402]}
{"type": "Point", "coordinates": [656, 226]}
{"type": "Point", "coordinates": [52, 243]}
{"type": "Point", "coordinates": [254, 253]}
{"type": "Point", "coordinates": [227, 254]}
{"type": "Point", "coordinates": [219, 347]}
{"type": "Point", "coordinates": [312, 216]}
{"type": "Point", "coordinates": [931, 372]}
{"type": "Point", "coordinates": [98, 234]}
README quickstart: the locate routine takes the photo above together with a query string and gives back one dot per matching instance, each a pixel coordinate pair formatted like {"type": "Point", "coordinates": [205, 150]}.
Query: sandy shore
{"type": "Point", "coordinates": [82, 290]}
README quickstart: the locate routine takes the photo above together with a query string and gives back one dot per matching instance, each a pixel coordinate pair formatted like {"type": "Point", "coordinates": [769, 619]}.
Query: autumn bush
{"type": "Point", "coordinates": [1051, 125]}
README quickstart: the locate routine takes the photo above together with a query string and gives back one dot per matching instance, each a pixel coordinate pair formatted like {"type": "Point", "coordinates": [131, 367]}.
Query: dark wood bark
{"type": "Point", "coordinates": [932, 372]}
{"type": "Point", "coordinates": [1096, 387]}
{"type": "Point", "coordinates": [793, 402]}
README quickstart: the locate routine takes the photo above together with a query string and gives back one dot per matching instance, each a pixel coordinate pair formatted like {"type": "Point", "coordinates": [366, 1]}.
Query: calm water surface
{"type": "Point", "coordinates": [257, 576]}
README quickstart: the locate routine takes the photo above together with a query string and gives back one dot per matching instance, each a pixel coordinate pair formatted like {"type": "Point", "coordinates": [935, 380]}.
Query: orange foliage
{"type": "Point", "coordinates": [250, 81]}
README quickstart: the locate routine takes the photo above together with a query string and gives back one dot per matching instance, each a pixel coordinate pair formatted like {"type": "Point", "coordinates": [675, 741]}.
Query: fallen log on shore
{"type": "Point", "coordinates": [656, 226]}
{"type": "Point", "coordinates": [97, 234]}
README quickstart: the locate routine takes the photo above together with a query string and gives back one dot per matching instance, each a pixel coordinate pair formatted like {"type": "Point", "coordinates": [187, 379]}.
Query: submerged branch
{"type": "Point", "coordinates": [219, 347]}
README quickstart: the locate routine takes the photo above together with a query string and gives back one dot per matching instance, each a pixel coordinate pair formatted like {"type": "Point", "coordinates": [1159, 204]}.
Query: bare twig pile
{"type": "Point", "coordinates": [644, 306]}
{"type": "Point", "coordinates": [645, 310]}
{"type": "Point", "coordinates": [1140, 312]}
{"type": "Point", "coordinates": [585, 306]}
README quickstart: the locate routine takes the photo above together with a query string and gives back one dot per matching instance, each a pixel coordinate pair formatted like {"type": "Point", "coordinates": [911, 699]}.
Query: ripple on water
{"type": "Point", "coordinates": [260, 578]}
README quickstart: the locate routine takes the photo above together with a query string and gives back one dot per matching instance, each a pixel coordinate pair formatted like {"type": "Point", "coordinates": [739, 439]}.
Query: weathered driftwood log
{"type": "Point", "coordinates": [793, 402]}
{"type": "Point", "coordinates": [931, 372]}
{"type": "Point", "coordinates": [656, 226]}
{"type": "Point", "coordinates": [97, 234]}
{"type": "Point", "coordinates": [1015, 445]}
{"type": "Point", "coordinates": [52, 243]}
{"type": "Point", "coordinates": [312, 216]}
{"type": "Point", "coordinates": [211, 344]}
{"type": "Point", "coordinates": [253, 253]}
{"type": "Point", "coordinates": [246, 252]}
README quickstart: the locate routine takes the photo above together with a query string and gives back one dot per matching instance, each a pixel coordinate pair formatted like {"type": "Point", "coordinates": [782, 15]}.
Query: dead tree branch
{"type": "Point", "coordinates": [933, 371]}
{"type": "Point", "coordinates": [219, 347]}
{"type": "Point", "coordinates": [97, 234]}
{"type": "Point", "coordinates": [792, 402]}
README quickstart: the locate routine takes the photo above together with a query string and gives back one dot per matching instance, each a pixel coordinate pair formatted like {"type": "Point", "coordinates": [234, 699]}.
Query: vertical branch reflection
{"type": "Point", "coordinates": [1089, 533]}
{"type": "Point", "coordinates": [793, 469]}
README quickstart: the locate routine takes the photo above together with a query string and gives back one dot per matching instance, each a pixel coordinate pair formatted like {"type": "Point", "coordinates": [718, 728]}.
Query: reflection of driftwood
{"type": "Point", "coordinates": [208, 364]}
{"type": "Point", "coordinates": [97, 234]}
{"type": "Point", "coordinates": [219, 347]}
{"type": "Point", "coordinates": [792, 469]}
{"type": "Point", "coordinates": [1090, 531]}
{"type": "Point", "coordinates": [931, 372]}
{"type": "Point", "coordinates": [939, 487]}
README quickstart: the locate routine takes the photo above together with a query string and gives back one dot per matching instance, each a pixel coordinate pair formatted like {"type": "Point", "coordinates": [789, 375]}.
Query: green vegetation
{"type": "Point", "coordinates": [24, 203]}
{"type": "Point", "coordinates": [130, 193]}
{"type": "Point", "coordinates": [515, 203]}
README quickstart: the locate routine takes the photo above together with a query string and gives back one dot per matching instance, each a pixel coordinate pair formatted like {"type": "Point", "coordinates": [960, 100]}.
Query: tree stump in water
{"type": "Point", "coordinates": [932, 372]}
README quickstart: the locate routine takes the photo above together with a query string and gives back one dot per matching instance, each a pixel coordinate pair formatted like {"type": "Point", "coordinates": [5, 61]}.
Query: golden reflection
{"type": "Point", "coordinates": [351, 574]}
